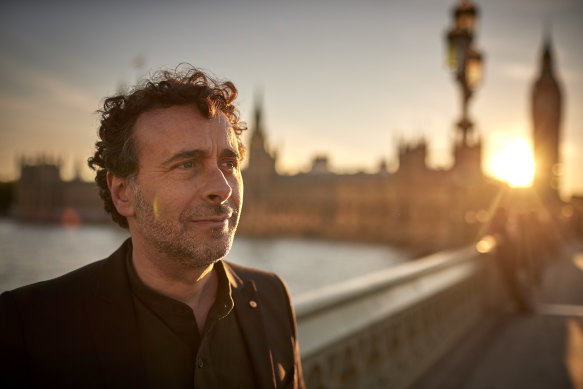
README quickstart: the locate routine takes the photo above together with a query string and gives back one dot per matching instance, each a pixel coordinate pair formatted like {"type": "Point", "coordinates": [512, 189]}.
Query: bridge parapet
{"type": "Point", "coordinates": [387, 328]}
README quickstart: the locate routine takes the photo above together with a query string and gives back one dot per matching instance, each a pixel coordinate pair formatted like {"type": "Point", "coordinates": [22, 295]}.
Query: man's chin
{"type": "Point", "coordinates": [205, 250]}
{"type": "Point", "coordinates": [204, 256]}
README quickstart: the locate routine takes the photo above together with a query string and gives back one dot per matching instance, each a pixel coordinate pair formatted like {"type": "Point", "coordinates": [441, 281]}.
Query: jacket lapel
{"type": "Point", "coordinates": [114, 325]}
{"type": "Point", "coordinates": [250, 318]}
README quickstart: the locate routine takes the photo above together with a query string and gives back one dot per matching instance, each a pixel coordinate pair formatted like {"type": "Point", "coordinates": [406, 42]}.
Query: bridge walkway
{"type": "Point", "coordinates": [538, 350]}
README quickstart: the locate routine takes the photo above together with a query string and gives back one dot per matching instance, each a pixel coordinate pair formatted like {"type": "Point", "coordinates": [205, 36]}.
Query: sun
{"type": "Point", "coordinates": [514, 163]}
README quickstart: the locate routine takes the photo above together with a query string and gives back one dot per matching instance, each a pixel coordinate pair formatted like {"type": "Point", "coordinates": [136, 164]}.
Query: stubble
{"type": "Point", "coordinates": [180, 243]}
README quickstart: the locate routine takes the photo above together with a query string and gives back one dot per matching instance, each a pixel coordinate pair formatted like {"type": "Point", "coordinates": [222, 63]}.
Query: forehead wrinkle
{"type": "Point", "coordinates": [156, 121]}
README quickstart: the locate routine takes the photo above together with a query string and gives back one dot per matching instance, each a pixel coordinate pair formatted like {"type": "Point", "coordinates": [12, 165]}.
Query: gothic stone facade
{"type": "Point", "coordinates": [416, 207]}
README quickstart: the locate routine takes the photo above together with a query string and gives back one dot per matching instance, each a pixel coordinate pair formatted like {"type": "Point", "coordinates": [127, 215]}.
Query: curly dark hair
{"type": "Point", "coordinates": [116, 152]}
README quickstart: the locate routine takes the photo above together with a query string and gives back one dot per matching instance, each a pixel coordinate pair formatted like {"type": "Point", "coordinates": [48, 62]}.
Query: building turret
{"type": "Point", "coordinates": [412, 158]}
{"type": "Point", "coordinates": [546, 118]}
{"type": "Point", "coordinates": [261, 167]}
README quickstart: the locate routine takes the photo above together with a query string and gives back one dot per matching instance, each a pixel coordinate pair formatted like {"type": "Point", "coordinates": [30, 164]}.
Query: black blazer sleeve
{"type": "Point", "coordinates": [12, 347]}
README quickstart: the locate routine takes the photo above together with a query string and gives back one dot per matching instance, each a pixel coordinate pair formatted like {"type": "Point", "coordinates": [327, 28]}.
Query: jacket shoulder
{"type": "Point", "coordinates": [79, 277]}
{"type": "Point", "coordinates": [78, 280]}
{"type": "Point", "coordinates": [264, 280]}
{"type": "Point", "coordinates": [244, 273]}
{"type": "Point", "coordinates": [46, 327]}
{"type": "Point", "coordinates": [271, 290]}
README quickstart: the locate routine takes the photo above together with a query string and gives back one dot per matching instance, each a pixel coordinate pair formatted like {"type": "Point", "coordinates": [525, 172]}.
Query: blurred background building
{"type": "Point", "coordinates": [413, 205]}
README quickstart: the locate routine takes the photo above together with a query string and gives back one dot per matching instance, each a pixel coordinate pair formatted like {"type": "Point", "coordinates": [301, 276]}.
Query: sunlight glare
{"type": "Point", "coordinates": [514, 164]}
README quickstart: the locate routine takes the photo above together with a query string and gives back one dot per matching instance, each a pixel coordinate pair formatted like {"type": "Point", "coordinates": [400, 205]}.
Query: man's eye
{"type": "Point", "coordinates": [187, 165]}
{"type": "Point", "coordinates": [231, 164]}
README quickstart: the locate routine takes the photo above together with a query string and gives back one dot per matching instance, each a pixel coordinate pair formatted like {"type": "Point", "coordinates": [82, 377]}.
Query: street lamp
{"type": "Point", "coordinates": [464, 60]}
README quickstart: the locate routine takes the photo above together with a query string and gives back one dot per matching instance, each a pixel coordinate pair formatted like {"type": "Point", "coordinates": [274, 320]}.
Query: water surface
{"type": "Point", "coordinates": [31, 253]}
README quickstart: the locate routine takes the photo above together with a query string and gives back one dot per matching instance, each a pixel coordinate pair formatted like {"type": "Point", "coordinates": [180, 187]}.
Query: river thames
{"type": "Point", "coordinates": [31, 253]}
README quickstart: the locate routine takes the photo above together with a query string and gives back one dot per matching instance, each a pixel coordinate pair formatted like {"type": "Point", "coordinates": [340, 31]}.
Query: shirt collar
{"type": "Point", "coordinates": [165, 305]}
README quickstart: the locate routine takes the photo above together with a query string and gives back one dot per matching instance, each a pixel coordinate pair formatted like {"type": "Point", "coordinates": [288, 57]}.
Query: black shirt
{"type": "Point", "coordinates": [178, 355]}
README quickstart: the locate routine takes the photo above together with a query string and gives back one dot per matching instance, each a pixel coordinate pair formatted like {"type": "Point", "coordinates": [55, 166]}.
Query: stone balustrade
{"type": "Point", "coordinates": [385, 329]}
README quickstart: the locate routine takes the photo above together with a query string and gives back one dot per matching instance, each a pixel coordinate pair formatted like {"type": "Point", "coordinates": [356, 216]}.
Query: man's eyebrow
{"type": "Point", "coordinates": [230, 153]}
{"type": "Point", "coordinates": [199, 154]}
{"type": "Point", "coordinates": [186, 154]}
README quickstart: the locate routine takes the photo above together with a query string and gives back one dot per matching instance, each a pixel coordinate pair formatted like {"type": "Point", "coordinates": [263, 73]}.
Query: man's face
{"type": "Point", "coordinates": [188, 191]}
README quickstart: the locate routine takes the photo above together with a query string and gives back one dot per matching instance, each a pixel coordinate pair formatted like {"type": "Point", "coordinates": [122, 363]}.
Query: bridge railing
{"type": "Point", "coordinates": [385, 329]}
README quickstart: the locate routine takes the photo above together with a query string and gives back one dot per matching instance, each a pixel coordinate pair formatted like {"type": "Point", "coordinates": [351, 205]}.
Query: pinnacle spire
{"type": "Point", "coordinates": [258, 110]}
{"type": "Point", "coordinates": [547, 52]}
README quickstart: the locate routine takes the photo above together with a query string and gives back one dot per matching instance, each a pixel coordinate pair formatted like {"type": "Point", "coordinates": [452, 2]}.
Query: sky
{"type": "Point", "coordinates": [348, 79]}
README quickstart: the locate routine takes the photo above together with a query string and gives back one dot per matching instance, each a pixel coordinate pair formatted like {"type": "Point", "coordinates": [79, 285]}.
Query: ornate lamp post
{"type": "Point", "coordinates": [464, 59]}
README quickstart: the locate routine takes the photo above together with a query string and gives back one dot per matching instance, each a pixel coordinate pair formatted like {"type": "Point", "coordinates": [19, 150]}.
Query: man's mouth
{"type": "Point", "coordinates": [212, 219]}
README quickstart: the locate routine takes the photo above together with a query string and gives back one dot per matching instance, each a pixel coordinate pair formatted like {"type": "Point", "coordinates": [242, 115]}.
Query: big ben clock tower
{"type": "Point", "coordinates": [546, 116]}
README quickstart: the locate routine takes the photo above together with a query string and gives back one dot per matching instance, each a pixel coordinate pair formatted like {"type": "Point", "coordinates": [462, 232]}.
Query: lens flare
{"type": "Point", "coordinates": [514, 164]}
{"type": "Point", "coordinates": [155, 207]}
{"type": "Point", "coordinates": [486, 244]}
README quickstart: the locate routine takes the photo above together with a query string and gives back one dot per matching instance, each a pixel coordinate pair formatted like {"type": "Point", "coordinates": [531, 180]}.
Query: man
{"type": "Point", "coordinates": [163, 311]}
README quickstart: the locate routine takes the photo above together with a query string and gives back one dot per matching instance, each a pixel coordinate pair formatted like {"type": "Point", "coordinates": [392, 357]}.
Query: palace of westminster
{"type": "Point", "coordinates": [414, 206]}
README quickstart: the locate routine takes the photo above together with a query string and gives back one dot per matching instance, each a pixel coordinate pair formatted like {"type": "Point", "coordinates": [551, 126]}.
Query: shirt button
{"type": "Point", "coordinates": [200, 363]}
{"type": "Point", "coordinates": [252, 304]}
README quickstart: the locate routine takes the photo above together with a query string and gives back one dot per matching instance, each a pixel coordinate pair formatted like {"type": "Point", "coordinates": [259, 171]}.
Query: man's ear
{"type": "Point", "coordinates": [121, 194]}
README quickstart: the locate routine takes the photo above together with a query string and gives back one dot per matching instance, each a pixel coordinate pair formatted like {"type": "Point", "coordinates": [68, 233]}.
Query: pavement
{"type": "Point", "coordinates": [542, 349]}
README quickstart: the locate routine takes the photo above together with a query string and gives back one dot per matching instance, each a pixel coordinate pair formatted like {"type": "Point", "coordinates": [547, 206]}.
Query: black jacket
{"type": "Point", "coordinates": [79, 330]}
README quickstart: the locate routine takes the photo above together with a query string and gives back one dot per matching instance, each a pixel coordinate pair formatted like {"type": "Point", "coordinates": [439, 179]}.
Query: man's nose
{"type": "Point", "coordinates": [217, 189]}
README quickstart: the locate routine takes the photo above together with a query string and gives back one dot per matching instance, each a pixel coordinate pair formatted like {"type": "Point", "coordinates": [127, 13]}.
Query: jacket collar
{"type": "Point", "coordinates": [250, 318]}
{"type": "Point", "coordinates": [114, 324]}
